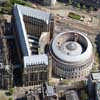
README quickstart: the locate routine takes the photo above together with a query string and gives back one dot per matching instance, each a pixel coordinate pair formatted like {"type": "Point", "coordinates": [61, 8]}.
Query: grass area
{"type": "Point", "coordinates": [21, 2]}
{"type": "Point", "coordinates": [11, 91]}
{"type": "Point", "coordinates": [3, 96]}
{"type": "Point", "coordinates": [74, 16]}
{"type": "Point", "coordinates": [6, 8]}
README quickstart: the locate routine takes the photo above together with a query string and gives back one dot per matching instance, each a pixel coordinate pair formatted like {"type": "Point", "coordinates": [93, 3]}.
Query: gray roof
{"type": "Point", "coordinates": [35, 59]}
{"type": "Point", "coordinates": [33, 13]}
{"type": "Point", "coordinates": [96, 76]}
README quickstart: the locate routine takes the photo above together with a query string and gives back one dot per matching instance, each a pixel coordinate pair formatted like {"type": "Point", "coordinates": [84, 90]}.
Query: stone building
{"type": "Point", "coordinates": [72, 55]}
{"type": "Point", "coordinates": [6, 77]}
{"type": "Point", "coordinates": [35, 70]}
{"type": "Point", "coordinates": [94, 84]}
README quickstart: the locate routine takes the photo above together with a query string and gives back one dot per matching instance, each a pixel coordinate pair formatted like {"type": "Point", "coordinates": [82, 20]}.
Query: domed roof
{"type": "Point", "coordinates": [72, 46]}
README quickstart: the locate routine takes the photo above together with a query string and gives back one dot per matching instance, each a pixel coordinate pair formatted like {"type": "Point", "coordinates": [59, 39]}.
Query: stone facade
{"type": "Point", "coordinates": [72, 55]}
{"type": "Point", "coordinates": [35, 75]}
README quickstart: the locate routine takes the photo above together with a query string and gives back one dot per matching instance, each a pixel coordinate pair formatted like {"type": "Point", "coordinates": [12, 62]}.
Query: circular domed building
{"type": "Point", "coordinates": [72, 55]}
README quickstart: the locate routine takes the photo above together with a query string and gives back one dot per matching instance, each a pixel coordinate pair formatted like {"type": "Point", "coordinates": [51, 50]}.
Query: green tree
{"type": "Point", "coordinates": [22, 2]}
{"type": "Point", "coordinates": [91, 8]}
{"type": "Point", "coordinates": [7, 4]}
{"type": "Point", "coordinates": [11, 91]}
{"type": "Point", "coordinates": [70, 2]}
{"type": "Point", "coordinates": [10, 98]}
{"type": "Point", "coordinates": [78, 5]}
{"type": "Point", "coordinates": [84, 7]}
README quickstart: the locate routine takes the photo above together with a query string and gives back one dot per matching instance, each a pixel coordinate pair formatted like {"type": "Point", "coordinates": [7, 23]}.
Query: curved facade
{"type": "Point", "coordinates": [72, 55]}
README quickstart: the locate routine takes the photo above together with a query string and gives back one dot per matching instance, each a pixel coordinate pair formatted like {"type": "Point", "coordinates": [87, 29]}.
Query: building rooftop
{"type": "Point", "coordinates": [33, 13]}
{"type": "Point", "coordinates": [35, 59]}
{"type": "Point", "coordinates": [96, 76]}
{"type": "Point", "coordinates": [72, 46]}
{"type": "Point", "coordinates": [19, 13]}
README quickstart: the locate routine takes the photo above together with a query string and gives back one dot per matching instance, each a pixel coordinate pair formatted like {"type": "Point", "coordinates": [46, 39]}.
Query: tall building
{"type": "Point", "coordinates": [6, 69]}
{"type": "Point", "coordinates": [6, 76]}
{"type": "Point", "coordinates": [72, 55]}
{"type": "Point", "coordinates": [33, 30]}
{"type": "Point", "coordinates": [35, 69]}
{"type": "Point", "coordinates": [94, 84]}
{"type": "Point", "coordinates": [31, 23]}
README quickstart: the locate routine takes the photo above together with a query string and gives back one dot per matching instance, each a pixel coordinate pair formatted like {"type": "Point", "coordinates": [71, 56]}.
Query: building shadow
{"type": "Point", "coordinates": [97, 42]}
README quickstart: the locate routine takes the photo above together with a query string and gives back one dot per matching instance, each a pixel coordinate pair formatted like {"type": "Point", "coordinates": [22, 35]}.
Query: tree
{"type": "Point", "coordinates": [91, 8]}
{"type": "Point", "coordinates": [84, 7]}
{"type": "Point", "coordinates": [7, 4]}
{"type": "Point", "coordinates": [11, 90]}
{"type": "Point", "coordinates": [78, 5]}
{"type": "Point", "coordinates": [10, 98]}
{"type": "Point", "coordinates": [70, 2]}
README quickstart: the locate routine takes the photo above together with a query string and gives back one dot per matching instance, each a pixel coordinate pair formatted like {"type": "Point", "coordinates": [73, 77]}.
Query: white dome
{"type": "Point", "coordinates": [78, 42]}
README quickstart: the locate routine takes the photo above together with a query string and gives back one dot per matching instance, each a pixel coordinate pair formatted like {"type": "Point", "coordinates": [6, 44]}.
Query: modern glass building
{"type": "Point", "coordinates": [30, 26]}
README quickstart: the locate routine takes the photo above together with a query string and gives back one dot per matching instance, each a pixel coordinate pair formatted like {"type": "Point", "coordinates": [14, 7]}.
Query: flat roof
{"type": "Point", "coordinates": [39, 14]}
{"type": "Point", "coordinates": [96, 76]}
{"type": "Point", "coordinates": [35, 59]}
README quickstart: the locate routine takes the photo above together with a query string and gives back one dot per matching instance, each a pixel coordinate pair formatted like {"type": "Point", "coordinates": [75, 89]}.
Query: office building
{"type": "Point", "coordinates": [33, 31]}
